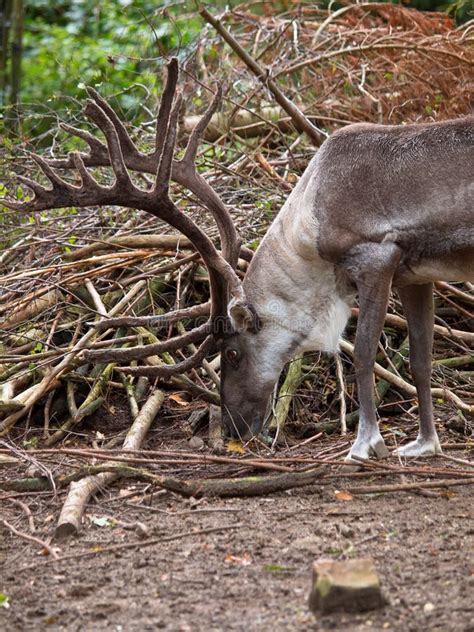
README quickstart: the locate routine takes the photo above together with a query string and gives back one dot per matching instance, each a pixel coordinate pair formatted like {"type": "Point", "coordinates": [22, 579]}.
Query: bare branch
{"type": "Point", "coordinates": [301, 122]}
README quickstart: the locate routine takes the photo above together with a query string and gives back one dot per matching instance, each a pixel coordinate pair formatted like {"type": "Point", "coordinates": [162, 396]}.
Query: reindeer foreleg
{"type": "Point", "coordinates": [371, 266]}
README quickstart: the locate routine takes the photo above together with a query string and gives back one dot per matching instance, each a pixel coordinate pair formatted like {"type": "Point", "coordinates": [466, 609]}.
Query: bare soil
{"type": "Point", "coordinates": [255, 576]}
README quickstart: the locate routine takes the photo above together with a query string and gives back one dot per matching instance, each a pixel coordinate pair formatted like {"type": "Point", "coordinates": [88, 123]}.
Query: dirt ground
{"type": "Point", "coordinates": [255, 575]}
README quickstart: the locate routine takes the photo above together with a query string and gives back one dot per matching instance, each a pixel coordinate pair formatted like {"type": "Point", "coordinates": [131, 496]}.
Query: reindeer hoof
{"type": "Point", "coordinates": [379, 449]}
{"type": "Point", "coordinates": [362, 450]}
{"type": "Point", "coordinates": [420, 447]}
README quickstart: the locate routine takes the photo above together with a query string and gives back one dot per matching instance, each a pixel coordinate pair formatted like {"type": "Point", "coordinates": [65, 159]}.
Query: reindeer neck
{"type": "Point", "coordinates": [290, 283]}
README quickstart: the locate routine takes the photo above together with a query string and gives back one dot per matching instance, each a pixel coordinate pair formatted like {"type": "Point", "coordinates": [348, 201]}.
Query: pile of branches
{"type": "Point", "coordinates": [288, 81]}
{"type": "Point", "coordinates": [376, 62]}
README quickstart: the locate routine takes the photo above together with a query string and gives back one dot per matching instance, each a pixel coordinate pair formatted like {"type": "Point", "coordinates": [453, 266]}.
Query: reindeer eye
{"type": "Point", "coordinates": [232, 355]}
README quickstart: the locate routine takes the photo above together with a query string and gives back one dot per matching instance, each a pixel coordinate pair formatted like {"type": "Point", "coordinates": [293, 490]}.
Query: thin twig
{"type": "Point", "coordinates": [31, 538]}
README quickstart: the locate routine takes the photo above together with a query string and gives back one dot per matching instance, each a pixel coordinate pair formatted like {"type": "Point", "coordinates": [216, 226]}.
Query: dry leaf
{"type": "Point", "coordinates": [243, 560]}
{"type": "Point", "coordinates": [176, 397]}
{"type": "Point", "coordinates": [343, 495]}
{"type": "Point", "coordinates": [236, 447]}
{"type": "Point", "coordinates": [45, 552]}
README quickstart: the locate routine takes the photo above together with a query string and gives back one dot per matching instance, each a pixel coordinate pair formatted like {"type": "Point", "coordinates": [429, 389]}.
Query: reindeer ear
{"type": "Point", "coordinates": [243, 316]}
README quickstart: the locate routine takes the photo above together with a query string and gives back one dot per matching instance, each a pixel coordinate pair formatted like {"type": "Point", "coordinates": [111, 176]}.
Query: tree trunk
{"type": "Point", "coordinates": [5, 22]}
{"type": "Point", "coordinates": [15, 71]}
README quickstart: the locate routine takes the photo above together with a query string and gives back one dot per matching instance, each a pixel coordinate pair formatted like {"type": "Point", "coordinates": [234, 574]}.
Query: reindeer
{"type": "Point", "coordinates": [377, 207]}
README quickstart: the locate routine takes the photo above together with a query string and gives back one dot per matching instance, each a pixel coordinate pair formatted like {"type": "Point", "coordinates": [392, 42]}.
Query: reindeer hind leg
{"type": "Point", "coordinates": [417, 301]}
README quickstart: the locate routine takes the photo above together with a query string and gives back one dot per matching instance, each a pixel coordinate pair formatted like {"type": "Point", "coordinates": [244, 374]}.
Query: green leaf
{"type": "Point", "coordinates": [276, 568]}
{"type": "Point", "coordinates": [334, 551]}
{"type": "Point", "coordinates": [102, 522]}
{"type": "Point", "coordinates": [31, 443]}
{"type": "Point", "coordinates": [4, 600]}
{"type": "Point", "coordinates": [254, 244]}
{"type": "Point", "coordinates": [398, 433]}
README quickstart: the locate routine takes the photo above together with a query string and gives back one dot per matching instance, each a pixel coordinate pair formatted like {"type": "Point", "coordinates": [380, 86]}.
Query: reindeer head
{"type": "Point", "coordinates": [253, 354]}
{"type": "Point", "coordinates": [243, 400]}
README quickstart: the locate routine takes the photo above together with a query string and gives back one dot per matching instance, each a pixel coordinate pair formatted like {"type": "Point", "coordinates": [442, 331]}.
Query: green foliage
{"type": "Point", "coordinates": [118, 46]}
{"type": "Point", "coordinates": [4, 600]}
{"type": "Point", "coordinates": [71, 44]}
{"type": "Point", "coordinates": [38, 348]}
{"type": "Point", "coordinates": [461, 9]}
{"type": "Point", "coordinates": [31, 443]}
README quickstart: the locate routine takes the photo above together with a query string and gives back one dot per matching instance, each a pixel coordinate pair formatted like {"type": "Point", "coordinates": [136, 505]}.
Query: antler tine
{"type": "Point", "coordinates": [167, 370]}
{"type": "Point", "coordinates": [101, 119]}
{"type": "Point", "coordinates": [160, 320]}
{"type": "Point", "coordinates": [166, 102]}
{"type": "Point", "coordinates": [38, 189]}
{"type": "Point", "coordinates": [184, 172]}
{"type": "Point", "coordinates": [198, 131]}
{"type": "Point", "coordinates": [136, 353]}
{"type": "Point", "coordinates": [86, 177]}
{"type": "Point", "coordinates": [128, 146]}
{"type": "Point", "coordinates": [98, 155]}
{"type": "Point", "coordinates": [36, 204]}
{"type": "Point", "coordinates": [166, 160]}
{"type": "Point", "coordinates": [44, 198]}
{"type": "Point", "coordinates": [56, 181]}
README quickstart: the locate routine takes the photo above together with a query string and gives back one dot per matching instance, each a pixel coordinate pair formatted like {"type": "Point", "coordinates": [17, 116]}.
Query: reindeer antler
{"type": "Point", "coordinates": [183, 171]}
{"type": "Point", "coordinates": [121, 153]}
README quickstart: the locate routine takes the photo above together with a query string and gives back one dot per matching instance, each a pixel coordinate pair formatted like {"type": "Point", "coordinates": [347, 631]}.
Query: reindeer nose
{"type": "Point", "coordinates": [237, 427]}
